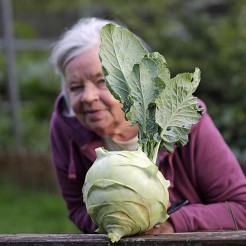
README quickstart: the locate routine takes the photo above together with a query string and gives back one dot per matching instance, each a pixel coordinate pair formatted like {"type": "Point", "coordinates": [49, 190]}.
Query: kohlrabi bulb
{"type": "Point", "coordinates": [125, 194]}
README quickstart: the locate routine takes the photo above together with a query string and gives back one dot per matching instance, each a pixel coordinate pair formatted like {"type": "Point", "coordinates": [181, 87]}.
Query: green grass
{"type": "Point", "coordinates": [25, 211]}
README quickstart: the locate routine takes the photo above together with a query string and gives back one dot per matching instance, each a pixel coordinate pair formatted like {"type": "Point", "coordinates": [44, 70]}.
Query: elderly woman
{"type": "Point", "coordinates": [87, 116]}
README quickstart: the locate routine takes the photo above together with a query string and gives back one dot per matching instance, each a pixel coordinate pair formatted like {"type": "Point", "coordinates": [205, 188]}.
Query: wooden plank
{"type": "Point", "coordinates": [225, 238]}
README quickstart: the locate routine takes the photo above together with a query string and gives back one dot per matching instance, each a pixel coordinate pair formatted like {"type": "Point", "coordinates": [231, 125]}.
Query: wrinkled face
{"type": "Point", "coordinates": [90, 99]}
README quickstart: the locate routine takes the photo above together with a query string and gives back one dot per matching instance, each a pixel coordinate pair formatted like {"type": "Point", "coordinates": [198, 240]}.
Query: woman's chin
{"type": "Point", "coordinates": [102, 130]}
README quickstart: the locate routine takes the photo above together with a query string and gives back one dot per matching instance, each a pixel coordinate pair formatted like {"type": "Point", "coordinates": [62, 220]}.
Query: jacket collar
{"type": "Point", "coordinates": [78, 135]}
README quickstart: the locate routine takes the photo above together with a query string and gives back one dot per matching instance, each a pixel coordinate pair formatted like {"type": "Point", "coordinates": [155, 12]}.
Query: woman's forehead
{"type": "Point", "coordinates": [92, 49]}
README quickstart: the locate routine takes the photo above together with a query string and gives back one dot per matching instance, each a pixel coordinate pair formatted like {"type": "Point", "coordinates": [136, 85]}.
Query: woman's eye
{"type": "Point", "coordinates": [75, 88]}
{"type": "Point", "coordinates": [101, 83]}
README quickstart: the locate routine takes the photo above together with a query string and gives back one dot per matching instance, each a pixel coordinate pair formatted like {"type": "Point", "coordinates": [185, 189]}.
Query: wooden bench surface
{"type": "Point", "coordinates": [222, 238]}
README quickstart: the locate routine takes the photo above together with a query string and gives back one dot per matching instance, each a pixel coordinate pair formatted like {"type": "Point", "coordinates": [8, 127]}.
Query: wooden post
{"type": "Point", "coordinates": [11, 72]}
{"type": "Point", "coordinates": [225, 238]}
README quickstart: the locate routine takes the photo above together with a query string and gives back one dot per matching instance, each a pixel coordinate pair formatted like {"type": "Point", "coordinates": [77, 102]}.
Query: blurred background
{"type": "Point", "coordinates": [209, 34]}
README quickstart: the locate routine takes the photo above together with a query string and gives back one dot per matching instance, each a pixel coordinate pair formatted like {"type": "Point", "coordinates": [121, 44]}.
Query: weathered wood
{"type": "Point", "coordinates": [222, 238]}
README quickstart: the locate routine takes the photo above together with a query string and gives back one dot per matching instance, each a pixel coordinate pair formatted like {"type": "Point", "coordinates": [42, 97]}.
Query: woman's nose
{"type": "Point", "coordinates": [90, 93]}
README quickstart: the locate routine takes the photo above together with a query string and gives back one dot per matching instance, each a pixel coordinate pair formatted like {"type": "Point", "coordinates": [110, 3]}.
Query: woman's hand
{"type": "Point", "coordinates": [165, 227]}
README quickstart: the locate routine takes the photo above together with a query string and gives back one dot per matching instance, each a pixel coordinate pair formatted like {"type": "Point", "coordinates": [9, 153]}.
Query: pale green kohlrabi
{"type": "Point", "coordinates": [124, 192]}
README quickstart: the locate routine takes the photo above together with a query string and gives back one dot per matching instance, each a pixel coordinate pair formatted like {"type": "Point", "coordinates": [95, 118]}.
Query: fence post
{"type": "Point", "coordinates": [8, 43]}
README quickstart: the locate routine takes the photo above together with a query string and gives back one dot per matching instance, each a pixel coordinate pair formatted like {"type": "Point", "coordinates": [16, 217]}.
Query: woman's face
{"type": "Point", "coordinates": [90, 99]}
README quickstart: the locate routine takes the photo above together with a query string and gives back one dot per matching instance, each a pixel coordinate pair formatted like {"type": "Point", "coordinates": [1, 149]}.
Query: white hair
{"type": "Point", "coordinates": [82, 36]}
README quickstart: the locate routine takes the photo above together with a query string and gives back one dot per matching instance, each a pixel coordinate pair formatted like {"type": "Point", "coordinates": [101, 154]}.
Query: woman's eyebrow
{"type": "Point", "coordinates": [98, 75]}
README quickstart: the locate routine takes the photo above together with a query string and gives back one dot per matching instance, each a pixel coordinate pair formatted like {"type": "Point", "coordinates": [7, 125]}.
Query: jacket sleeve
{"type": "Point", "coordinates": [219, 181]}
{"type": "Point", "coordinates": [71, 189]}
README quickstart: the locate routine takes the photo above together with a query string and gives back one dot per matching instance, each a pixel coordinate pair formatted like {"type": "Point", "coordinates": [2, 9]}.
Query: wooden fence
{"type": "Point", "coordinates": [223, 238]}
{"type": "Point", "coordinates": [29, 170]}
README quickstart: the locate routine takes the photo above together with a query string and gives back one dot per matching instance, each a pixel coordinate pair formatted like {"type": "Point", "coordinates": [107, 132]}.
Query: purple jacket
{"type": "Point", "coordinates": [205, 172]}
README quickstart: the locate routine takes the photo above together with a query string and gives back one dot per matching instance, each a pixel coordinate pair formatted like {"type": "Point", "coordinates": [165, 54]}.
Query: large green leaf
{"type": "Point", "coordinates": [177, 110]}
{"type": "Point", "coordinates": [145, 87]}
{"type": "Point", "coordinates": [119, 51]}
{"type": "Point", "coordinates": [133, 76]}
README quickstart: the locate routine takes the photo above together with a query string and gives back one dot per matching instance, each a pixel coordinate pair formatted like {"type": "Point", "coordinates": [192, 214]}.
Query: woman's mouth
{"type": "Point", "coordinates": [94, 115]}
